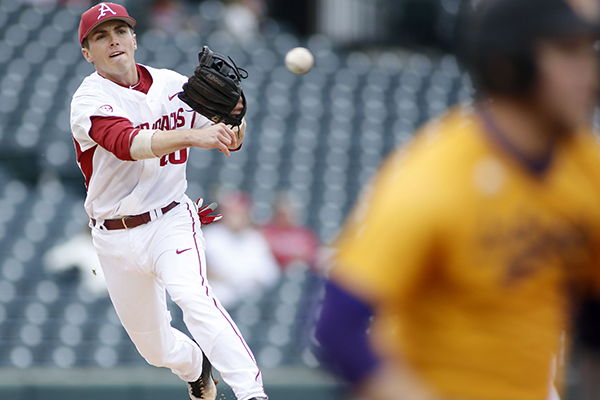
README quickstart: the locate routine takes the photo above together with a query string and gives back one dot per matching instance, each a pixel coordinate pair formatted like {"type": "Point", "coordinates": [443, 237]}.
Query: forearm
{"type": "Point", "coordinates": [156, 143]}
{"type": "Point", "coordinates": [342, 333]}
{"type": "Point", "coordinates": [345, 346]}
{"type": "Point", "coordinates": [166, 142]}
{"type": "Point", "coordinates": [150, 144]}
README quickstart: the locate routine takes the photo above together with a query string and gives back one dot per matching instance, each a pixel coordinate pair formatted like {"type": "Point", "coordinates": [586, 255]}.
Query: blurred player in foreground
{"type": "Point", "coordinates": [132, 134]}
{"type": "Point", "coordinates": [476, 245]}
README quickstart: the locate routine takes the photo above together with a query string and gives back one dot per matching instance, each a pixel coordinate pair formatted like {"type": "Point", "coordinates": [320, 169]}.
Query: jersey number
{"type": "Point", "coordinates": [177, 157]}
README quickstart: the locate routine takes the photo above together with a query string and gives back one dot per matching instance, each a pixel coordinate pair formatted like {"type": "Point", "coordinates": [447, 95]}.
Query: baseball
{"type": "Point", "coordinates": [299, 60]}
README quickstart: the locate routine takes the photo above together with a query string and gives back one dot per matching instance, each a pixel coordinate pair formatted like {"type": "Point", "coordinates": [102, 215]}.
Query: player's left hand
{"type": "Point", "coordinates": [240, 133]}
{"type": "Point", "coordinates": [239, 107]}
{"type": "Point", "coordinates": [213, 88]}
{"type": "Point", "coordinates": [204, 212]}
{"type": "Point", "coordinates": [239, 130]}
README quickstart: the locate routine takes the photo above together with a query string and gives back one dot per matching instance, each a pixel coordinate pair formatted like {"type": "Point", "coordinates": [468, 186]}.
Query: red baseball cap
{"type": "Point", "coordinates": [101, 13]}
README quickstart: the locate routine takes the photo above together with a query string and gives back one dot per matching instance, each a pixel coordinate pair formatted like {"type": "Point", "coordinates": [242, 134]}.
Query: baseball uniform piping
{"type": "Point", "coordinates": [196, 243]}
{"type": "Point", "coordinates": [215, 300]}
{"type": "Point", "coordinates": [193, 120]}
{"type": "Point", "coordinates": [85, 160]}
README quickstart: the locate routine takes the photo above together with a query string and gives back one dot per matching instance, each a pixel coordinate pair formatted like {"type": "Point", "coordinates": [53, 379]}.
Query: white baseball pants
{"type": "Point", "coordinates": [168, 253]}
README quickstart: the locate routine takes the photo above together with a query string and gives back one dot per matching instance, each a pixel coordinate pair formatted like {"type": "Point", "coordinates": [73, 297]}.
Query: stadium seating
{"type": "Point", "coordinates": [322, 135]}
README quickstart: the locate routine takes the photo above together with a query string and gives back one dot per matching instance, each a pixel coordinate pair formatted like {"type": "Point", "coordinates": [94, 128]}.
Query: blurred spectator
{"type": "Point", "coordinates": [242, 18]}
{"type": "Point", "coordinates": [78, 252]}
{"type": "Point", "coordinates": [238, 256]}
{"type": "Point", "coordinates": [291, 243]}
{"type": "Point", "coordinates": [43, 3]}
{"type": "Point", "coordinates": [167, 16]}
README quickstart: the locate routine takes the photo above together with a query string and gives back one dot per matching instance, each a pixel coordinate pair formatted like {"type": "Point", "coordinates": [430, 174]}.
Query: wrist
{"type": "Point", "coordinates": [193, 138]}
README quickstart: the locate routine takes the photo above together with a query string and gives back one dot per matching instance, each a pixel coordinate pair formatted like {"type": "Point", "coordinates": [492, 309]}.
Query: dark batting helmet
{"type": "Point", "coordinates": [499, 41]}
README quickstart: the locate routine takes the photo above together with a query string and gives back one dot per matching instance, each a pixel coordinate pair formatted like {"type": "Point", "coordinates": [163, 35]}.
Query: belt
{"type": "Point", "coordinates": [132, 221]}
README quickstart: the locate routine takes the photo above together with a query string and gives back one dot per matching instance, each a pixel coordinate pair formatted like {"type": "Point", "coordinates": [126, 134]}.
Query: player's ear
{"type": "Point", "coordinates": [134, 42]}
{"type": "Point", "coordinates": [86, 55]}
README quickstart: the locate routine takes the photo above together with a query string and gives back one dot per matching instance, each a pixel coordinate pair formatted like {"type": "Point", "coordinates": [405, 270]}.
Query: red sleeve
{"type": "Point", "coordinates": [114, 134]}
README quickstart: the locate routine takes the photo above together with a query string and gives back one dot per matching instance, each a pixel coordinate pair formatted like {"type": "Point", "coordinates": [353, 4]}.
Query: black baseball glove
{"type": "Point", "coordinates": [215, 88]}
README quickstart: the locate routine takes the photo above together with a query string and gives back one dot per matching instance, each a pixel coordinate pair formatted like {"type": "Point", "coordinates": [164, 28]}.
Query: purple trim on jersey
{"type": "Point", "coordinates": [231, 323]}
{"type": "Point", "coordinates": [114, 134]}
{"type": "Point", "coordinates": [342, 333]}
{"type": "Point", "coordinates": [499, 137]}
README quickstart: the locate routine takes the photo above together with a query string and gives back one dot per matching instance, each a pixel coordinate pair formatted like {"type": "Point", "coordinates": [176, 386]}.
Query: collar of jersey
{"type": "Point", "coordinates": [537, 167]}
{"type": "Point", "coordinates": [145, 80]}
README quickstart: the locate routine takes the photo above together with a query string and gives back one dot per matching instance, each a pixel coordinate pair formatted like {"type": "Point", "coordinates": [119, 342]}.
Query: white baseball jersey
{"type": "Point", "coordinates": [116, 188]}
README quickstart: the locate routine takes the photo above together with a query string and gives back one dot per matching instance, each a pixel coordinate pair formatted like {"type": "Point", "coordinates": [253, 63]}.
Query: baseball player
{"type": "Point", "coordinates": [474, 247]}
{"type": "Point", "coordinates": [132, 135]}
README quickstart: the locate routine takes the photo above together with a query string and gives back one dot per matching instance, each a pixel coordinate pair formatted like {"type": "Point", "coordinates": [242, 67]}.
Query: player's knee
{"type": "Point", "coordinates": [157, 358]}
{"type": "Point", "coordinates": [152, 356]}
{"type": "Point", "coordinates": [154, 349]}
{"type": "Point", "coordinates": [187, 300]}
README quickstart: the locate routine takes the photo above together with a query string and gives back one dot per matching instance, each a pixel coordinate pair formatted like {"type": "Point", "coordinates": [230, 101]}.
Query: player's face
{"type": "Point", "coordinates": [568, 84]}
{"type": "Point", "coordinates": [111, 49]}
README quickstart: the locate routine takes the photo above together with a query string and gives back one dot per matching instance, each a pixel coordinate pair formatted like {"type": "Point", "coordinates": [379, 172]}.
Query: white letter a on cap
{"type": "Point", "coordinates": [104, 8]}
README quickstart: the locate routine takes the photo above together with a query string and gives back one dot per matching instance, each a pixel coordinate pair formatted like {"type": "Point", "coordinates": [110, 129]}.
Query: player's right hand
{"type": "Point", "coordinates": [218, 136]}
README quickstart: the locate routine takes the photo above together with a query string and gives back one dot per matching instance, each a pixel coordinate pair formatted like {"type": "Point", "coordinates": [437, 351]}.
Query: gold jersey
{"type": "Point", "coordinates": [472, 259]}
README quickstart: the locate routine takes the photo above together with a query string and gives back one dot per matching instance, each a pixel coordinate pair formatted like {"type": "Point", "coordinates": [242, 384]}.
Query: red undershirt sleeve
{"type": "Point", "coordinates": [114, 134]}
